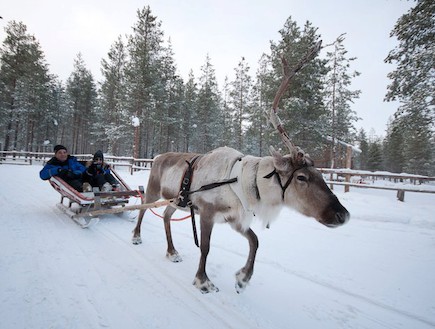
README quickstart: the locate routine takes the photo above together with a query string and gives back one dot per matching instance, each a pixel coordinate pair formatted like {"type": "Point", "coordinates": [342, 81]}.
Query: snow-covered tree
{"type": "Point", "coordinates": [82, 96]}
{"type": "Point", "coordinates": [190, 114]}
{"type": "Point", "coordinates": [112, 94]}
{"type": "Point", "coordinates": [413, 81]}
{"type": "Point", "coordinates": [24, 88]}
{"type": "Point", "coordinates": [241, 101]}
{"type": "Point", "coordinates": [260, 131]}
{"type": "Point", "coordinates": [144, 88]}
{"type": "Point", "coordinates": [210, 120]}
{"type": "Point", "coordinates": [302, 106]}
{"type": "Point", "coordinates": [363, 145]}
{"type": "Point", "coordinates": [339, 97]}
{"type": "Point", "coordinates": [413, 84]}
{"type": "Point", "coordinates": [170, 106]}
{"type": "Point", "coordinates": [374, 156]}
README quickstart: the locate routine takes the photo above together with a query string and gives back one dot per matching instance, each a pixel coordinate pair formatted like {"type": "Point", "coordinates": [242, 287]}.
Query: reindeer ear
{"type": "Point", "coordinates": [280, 162]}
{"type": "Point", "coordinates": [273, 152]}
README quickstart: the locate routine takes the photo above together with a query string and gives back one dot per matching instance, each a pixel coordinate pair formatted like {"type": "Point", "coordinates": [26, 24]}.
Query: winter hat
{"type": "Point", "coordinates": [59, 147]}
{"type": "Point", "coordinates": [98, 155]}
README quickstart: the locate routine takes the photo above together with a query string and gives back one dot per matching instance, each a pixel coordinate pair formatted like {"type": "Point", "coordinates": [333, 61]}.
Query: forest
{"type": "Point", "coordinates": [142, 107]}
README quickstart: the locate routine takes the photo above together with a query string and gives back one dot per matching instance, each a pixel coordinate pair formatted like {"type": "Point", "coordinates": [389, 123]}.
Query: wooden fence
{"type": "Point", "coordinates": [347, 177]}
{"type": "Point", "coordinates": [29, 158]}
{"type": "Point", "coordinates": [367, 179]}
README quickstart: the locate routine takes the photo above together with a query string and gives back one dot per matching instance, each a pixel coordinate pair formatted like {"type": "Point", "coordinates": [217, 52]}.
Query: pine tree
{"type": "Point", "coordinates": [82, 95]}
{"type": "Point", "coordinates": [171, 107]}
{"type": "Point", "coordinates": [24, 88]}
{"type": "Point", "coordinates": [394, 146]}
{"type": "Point", "coordinates": [241, 102]}
{"type": "Point", "coordinates": [374, 158]}
{"type": "Point", "coordinates": [54, 127]}
{"type": "Point", "coordinates": [302, 106]}
{"type": "Point", "coordinates": [190, 114]}
{"type": "Point", "coordinates": [227, 115]}
{"type": "Point", "coordinates": [117, 126]}
{"type": "Point", "coordinates": [414, 77]}
{"type": "Point", "coordinates": [144, 86]}
{"type": "Point", "coordinates": [261, 131]}
{"type": "Point", "coordinates": [338, 97]}
{"type": "Point", "coordinates": [364, 147]}
{"type": "Point", "coordinates": [209, 111]}
{"type": "Point", "coordinates": [413, 84]}
{"type": "Point", "coordinates": [417, 150]}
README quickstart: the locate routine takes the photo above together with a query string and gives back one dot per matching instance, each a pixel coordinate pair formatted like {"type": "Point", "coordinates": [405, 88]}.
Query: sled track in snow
{"type": "Point", "coordinates": [207, 305]}
{"type": "Point", "coordinates": [313, 280]}
{"type": "Point", "coordinates": [334, 288]}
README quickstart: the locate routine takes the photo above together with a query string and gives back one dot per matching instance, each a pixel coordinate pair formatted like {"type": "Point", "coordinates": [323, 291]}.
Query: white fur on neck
{"type": "Point", "coordinates": [246, 190]}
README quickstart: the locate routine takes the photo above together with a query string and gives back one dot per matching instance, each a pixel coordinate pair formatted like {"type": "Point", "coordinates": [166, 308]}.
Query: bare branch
{"type": "Point", "coordinates": [340, 38]}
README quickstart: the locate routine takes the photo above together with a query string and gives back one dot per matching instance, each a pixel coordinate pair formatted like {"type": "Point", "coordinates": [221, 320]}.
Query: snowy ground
{"type": "Point", "coordinates": [378, 271]}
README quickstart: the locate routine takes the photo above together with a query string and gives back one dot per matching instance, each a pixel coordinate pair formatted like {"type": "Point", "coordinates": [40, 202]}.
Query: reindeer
{"type": "Point", "coordinates": [258, 187]}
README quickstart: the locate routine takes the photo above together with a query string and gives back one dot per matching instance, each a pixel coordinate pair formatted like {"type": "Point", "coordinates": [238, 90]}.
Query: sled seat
{"type": "Point", "coordinates": [95, 200]}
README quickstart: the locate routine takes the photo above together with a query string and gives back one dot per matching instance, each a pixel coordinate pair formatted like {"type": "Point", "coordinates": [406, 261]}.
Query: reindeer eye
{"type": "Point", "coordinates": [301, 178]}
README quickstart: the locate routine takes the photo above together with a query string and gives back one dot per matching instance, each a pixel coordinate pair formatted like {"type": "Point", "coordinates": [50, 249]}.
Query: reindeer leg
{"type": "Point", "coordinates": [136, 232]}
{"type": "Point", "coordinates": [245, 273]}
{"type": "Point", "coordinates": [151, 195]}
{"type": "Point", "coordinates": [171, 252]}
{"type": "Point", "coordinates": [201, 281]}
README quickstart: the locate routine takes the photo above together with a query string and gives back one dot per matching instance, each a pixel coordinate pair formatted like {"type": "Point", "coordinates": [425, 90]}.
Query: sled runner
{"type": "Point", "coordinates": [80, 204]}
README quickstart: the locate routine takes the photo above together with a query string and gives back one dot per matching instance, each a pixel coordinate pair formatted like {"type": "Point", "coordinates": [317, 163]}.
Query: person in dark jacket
{"type": "Point", "coordinates": [98, 174]}
{"type": "Point", "coordinates": [64, 166]}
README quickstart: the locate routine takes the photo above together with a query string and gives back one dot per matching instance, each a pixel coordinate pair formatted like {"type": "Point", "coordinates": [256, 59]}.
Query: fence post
{"type": "Point", "coordinates": [348, 166]}
{"type": "Point", "coordinates": [132, 165]}
{"type": "Point", "coordinates": [401, 195]}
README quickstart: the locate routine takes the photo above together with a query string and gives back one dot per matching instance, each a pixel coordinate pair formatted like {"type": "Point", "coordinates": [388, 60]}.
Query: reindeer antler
{"type": "Point", "coordinates": [288, 75]}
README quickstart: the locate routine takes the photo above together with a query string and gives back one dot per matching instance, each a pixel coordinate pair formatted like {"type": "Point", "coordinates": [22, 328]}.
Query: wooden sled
{"type": "Point", "coordinates": [82, 206]}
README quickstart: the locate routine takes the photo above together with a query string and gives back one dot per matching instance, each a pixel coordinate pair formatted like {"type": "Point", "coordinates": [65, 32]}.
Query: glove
{"type": "Point", "coordinates": [92, 170]}
{"type": "Point", "coordinates": [62, 173]}
{"type": "Point", "coordinates": [66, 173]}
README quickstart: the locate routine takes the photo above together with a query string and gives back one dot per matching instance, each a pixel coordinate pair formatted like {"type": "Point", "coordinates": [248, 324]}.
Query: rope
{"type": "Point", "coordinates": [158, 215]}
{"type": "Point", "coordinates": [172, 219]}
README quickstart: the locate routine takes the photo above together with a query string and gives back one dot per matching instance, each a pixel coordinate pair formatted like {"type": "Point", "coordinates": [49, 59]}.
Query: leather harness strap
{"type": "Point", "coordinates": [283, 187]}
{"type": "Point", "coordinates": [183, 197]}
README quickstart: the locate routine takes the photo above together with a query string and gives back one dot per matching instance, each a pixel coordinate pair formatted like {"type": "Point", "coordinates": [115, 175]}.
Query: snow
{"type": "Point", "coordinates": [377, 271]}
{"type": "Point", "coordinates": [135, 121]}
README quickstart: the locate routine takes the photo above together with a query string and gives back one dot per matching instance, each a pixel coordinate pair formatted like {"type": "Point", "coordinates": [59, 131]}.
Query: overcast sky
{"type": "Point", "coordinates": [226, 30]}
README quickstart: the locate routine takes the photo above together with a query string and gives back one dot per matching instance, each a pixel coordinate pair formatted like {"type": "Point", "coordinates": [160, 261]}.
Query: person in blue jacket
{"type": "Point", "coordinates": [64, 166]}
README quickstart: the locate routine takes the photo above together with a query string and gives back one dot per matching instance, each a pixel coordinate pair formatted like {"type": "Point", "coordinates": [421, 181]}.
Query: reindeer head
{"type": "Point", "coordinates": [304, 187]}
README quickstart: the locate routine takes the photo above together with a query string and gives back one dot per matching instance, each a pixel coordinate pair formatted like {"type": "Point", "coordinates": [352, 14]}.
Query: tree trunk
{"type": "Point", "coordinates": [17, 125]}
{"type": "Point", "coordinates": [8, 136]}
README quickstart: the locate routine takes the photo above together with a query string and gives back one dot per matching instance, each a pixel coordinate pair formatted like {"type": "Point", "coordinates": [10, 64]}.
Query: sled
{"type": "Point", "coordinates": [82, 207]}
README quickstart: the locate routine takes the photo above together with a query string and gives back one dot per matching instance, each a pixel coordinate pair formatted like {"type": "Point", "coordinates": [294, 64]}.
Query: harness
{"type": "Point", "coordinates": [289, 180]}
{"type": "Point", "coordinates": [185, 192]}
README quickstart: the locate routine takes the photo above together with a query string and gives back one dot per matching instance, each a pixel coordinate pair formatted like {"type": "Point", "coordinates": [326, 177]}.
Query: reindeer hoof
{"type": "Point", "coordinates": [205, 287]}
{"type": "Point", "coordinates": [136, 240]}
{"type": "Point", "coordinates": [242, 280]}
{"type": "Point", "coordinates": [174, 257]}
{"type": "Point", "coordinates": [240, 286]}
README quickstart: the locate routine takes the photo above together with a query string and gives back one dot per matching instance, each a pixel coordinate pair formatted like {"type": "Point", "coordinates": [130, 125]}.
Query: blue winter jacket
{"type": "Point", "coordinates": [53, 165]}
